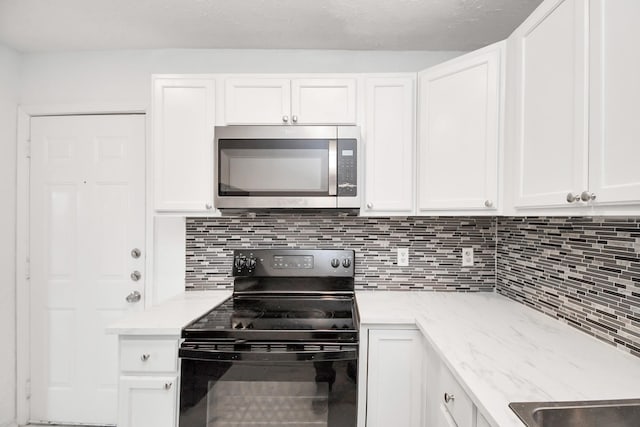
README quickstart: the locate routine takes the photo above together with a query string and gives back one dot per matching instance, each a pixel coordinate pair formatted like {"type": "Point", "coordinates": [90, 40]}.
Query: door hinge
{"type": "Point", "coordinates": [27, 149]}
{"type": "Point", "coordinates": [27, 389]}
{"type": "Point", "coordinates": [27, 268]}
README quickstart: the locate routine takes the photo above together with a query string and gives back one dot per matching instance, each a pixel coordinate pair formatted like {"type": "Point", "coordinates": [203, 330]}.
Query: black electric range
{"type": "Point", "coordinates": [288, 335]}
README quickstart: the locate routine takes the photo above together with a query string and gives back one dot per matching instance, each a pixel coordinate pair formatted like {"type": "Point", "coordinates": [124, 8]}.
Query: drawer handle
{"type": "Point", "coordinates": [167, 386]}
{"type": "Point", "coordinates": [449, 397]}
{"type": "Point", "coordinates": [145, 357]}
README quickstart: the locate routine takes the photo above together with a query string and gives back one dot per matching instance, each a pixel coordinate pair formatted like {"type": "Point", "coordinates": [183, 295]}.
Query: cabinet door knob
{"type": "Point", "coordinates": [135, 253]}
{"type": "Point", "coordinates": [369, 205]}
{"type": "Point", "coordinates": [167, 386]}
{"type": "Point", "coordinates": [571, 198]}
{"type": "Point", "coordinates": [145, 357]}
{"type": "Point", "coordinates": [449, 397]}
{"type": "Point", "coordinates": [208, 206]}
{"type": "Point", "coordinates": [136, 275]}
{"type": "Point", "coordinates": [294, 119]}
{"type": "Point", "coordinates": [586, 196]}
{"type": "Point", "coordinates": [488, 203]}
{"type": "Point", "coordinates": [285, 119]}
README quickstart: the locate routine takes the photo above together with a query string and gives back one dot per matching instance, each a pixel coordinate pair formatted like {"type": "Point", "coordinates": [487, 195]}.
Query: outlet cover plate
{"type": "Point", "coordinates": [403, 257]}
{"type": "Point", "coordinates": [467, 257]}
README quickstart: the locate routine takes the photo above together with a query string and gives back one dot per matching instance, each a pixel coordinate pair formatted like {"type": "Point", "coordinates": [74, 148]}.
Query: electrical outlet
{"type": "Point", "coordinates": [467, 257]}
{"type": "Point", "coordinates": [403, 257]}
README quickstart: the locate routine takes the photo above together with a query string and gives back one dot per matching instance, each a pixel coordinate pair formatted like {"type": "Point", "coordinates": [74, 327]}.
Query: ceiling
{"type": "Point", "coordinates": [63, 25]}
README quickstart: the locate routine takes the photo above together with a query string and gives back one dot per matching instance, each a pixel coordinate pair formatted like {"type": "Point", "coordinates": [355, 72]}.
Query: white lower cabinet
{"type": "Point", "coordinates": [148, 381]}
{"type": "Point", "coordinates": [147, 401]}
{"type": "Point", "coordinates": [408, 384]}
{"type": "Point", "coordinates": [447, 404]}
{"type": "Point", "coordinates": [482, 421]}
{"type": "Point", "coordinates": [394, 380]}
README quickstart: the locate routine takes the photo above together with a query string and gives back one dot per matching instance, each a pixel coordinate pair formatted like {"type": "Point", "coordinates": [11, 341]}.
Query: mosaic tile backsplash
{"type": "Point", "coordinates": [434, 247]}
{"type": "Point", "coordinates": [584, 271]}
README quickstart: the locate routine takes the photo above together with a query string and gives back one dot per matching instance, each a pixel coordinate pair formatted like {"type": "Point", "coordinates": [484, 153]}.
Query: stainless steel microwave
{"type": "Point", "coordinates": [286, 167]}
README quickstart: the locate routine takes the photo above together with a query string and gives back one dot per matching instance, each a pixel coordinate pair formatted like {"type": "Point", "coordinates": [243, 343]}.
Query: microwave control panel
{"type": "Point", "coordinates": [347, 168]}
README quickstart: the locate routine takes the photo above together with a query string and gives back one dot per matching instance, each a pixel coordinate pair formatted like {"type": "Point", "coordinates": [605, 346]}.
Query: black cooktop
{"type": "Point", "coordinates": [280, 317]}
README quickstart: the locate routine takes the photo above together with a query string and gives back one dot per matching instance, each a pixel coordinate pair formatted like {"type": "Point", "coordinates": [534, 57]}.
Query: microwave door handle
{"type": "Point", "coordinates": [333, 167]}
{"type": "Point", "coordinates": [267, 356]}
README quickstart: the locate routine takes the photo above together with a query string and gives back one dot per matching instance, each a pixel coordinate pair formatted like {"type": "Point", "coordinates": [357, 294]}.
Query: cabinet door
{"type": "Point", "coordinates": [459, 119]}
{"type": "Point", "coordinates": [615, 90]}
{"type": "Point", "coordinates": [257, 101]}
{"type": "Point", "coordinates": [482, 421]}
{"type": "Point", "coordinates": [323, 101]}
{"type": "Point", "coordinates": [550, 104]}
{"type": "Point", "coordinates": [394, 382]}
{"type": "Point", "coordinates": [389, 143]}
{"type": "Point", "coordinates": [183, 127]}
{"type": "Point", "coordinates": [147, 402]}
{"type": "Point", "coordinates": [443, 418]}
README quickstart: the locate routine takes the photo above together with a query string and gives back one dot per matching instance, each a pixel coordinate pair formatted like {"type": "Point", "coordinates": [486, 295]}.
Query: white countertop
{"type": "Point", "coordinates": [502, 351]}
{"type": "Point", "coordinates": [169, 317]}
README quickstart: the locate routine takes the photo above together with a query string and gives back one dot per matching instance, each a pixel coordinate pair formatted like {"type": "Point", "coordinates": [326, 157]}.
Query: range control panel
{"type": "Point", "coordinates": [293, 263]}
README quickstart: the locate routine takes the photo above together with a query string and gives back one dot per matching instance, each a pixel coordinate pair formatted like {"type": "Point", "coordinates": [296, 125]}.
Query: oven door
{"type": "Point", "coordinates": [268, 385]}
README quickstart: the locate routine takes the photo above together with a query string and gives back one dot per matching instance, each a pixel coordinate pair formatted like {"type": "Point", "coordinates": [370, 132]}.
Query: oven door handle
{"type": "Point", "coordinates": [268, 356]}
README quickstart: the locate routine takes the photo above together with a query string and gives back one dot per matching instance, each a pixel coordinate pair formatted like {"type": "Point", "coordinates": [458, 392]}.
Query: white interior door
{"type": "Point", "coordinates": [87, 213]}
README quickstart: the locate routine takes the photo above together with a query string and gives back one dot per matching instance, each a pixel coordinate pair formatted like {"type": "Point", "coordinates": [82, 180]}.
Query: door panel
{"type": "Point", "coordinates": [323, 101]}
{"type": "Point", "coordinates": [551, 104]}
{"type": "Point", "coordinates": [389, 146]}
{"type": "Point", "coordinates": [87, 210]}
{"type": "Point", "coordinates": [615, 89]}
{"type": "Point", "coordinates": [394, 380]}
{"type": "Point", "coordinates": [184, 116]}
{"type": "Point", "coordinates": [261, 101]}
{"type": "Point", "coordinates": [459, 136]}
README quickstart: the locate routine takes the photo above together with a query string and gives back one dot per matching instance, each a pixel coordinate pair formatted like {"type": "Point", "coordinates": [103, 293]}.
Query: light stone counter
{"type": "Point", "coordinates": [502, 351]}
{"type": "Point", "coordinates": [169, 317]}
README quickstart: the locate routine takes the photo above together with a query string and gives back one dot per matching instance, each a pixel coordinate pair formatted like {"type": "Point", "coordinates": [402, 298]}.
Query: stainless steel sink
{"type": "Point", "coordinates": [594, 413]}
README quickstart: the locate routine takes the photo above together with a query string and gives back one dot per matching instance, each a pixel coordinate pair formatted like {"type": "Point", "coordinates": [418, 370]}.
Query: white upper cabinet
{"type": "Point", "coordinates": [183, 127]}
{"type": "Point", "coordinates": [389, 144]}
{"type": "Point", "coordinates": [614, 149]}
{"type": "Point", "coordinates": [257, 101]}
{"type": "Point", "coordinates": [550, 102]}
{"type": "Point", "coordinates": [459, 119]}
{"type": "Point", "coordinates": [304, 101]}
{"type": "Point", "coordinates": [575, 128]}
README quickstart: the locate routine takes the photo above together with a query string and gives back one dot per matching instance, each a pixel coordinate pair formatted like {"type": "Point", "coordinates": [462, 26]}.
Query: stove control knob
{"type": "Point", "coordinates": [240, 263]}
{"type": "Point", "coordinates": [346, 263]}
{"type": "Point", "coordinates": [335, 263]}
{"type": "Point", "coordinates": [251, 263]}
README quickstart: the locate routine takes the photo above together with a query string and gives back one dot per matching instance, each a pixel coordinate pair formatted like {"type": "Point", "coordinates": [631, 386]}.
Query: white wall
{"type": "Point", "coordinates": [9, 72]}
{"type": "Point", "coordinates": [123, 76]}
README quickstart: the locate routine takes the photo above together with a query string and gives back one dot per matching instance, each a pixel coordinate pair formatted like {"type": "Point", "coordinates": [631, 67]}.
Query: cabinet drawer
{"type": "Point", "coordinates": [459, 405]}
{"type": "Point", "coordinates": [151, 355]}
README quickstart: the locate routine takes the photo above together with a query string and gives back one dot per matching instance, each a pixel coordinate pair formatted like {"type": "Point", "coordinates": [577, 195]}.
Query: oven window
{"type": "Point", "coordinates": [273, 167]}
{"type": "Point", "coordinates": [267, 403]}
{"type": "Point", "coordinates": [268, 394]}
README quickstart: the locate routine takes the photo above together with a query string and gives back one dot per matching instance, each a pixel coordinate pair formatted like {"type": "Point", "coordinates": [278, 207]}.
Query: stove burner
{"type": "Point", "coordinates": [311, 313]}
